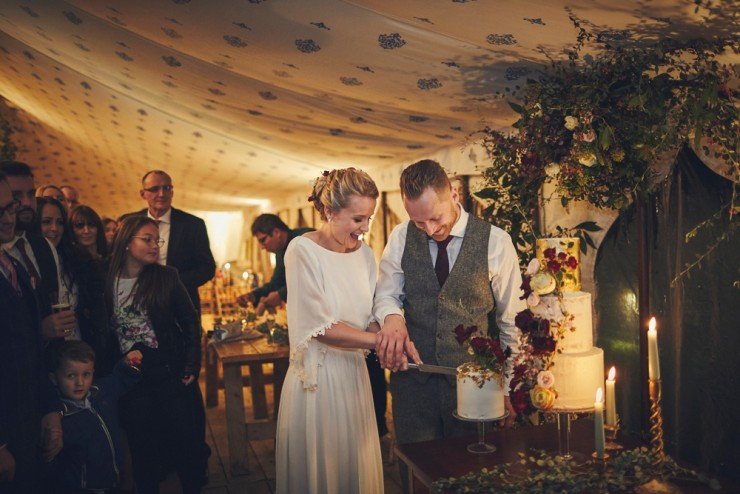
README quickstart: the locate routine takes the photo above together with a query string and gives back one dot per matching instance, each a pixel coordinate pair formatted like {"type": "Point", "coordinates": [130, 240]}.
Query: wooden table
{"type": "Point", "coordinates": [428, 461]}
{"type": "Point", "coordinates": [253, 353]}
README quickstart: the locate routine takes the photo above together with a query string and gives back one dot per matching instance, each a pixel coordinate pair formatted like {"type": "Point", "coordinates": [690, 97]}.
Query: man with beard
{"type": "Point", "coordinates": [20, 364]}
{"type": "Point", "coordinates": [441, 268]}
{"type": "Point", "coordinates": [34, 252]}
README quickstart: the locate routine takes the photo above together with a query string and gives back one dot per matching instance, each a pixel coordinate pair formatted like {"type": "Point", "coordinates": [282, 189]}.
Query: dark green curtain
{"type": "Point", "coordinates": [698, 317]}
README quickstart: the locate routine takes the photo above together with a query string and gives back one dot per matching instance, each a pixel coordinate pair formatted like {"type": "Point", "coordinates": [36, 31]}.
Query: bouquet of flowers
{"type": "Point", "coordinates": [488, 356]}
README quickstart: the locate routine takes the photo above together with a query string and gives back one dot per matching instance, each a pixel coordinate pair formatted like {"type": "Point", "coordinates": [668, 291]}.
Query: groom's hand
{"type": "Point", "coordinates": [391, 341]}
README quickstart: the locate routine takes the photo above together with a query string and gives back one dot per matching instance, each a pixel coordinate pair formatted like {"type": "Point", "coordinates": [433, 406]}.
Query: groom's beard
{"type": "Point", "coordinates": [25, 218]}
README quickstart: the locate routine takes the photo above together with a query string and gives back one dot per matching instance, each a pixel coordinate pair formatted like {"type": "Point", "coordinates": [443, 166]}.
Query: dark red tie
{"type": "Point", "coordinates": [35, 278]}
{"type": "Point", "coordinates": [442, 266]}
{"type": "Point", "coordinates": [7, 264]}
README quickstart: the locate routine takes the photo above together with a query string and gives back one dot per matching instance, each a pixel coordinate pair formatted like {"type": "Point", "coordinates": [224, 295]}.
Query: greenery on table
{"type": "Point", "coordinates": [597, 125]}
{"type": "Point", "coordinates": [543, 473]}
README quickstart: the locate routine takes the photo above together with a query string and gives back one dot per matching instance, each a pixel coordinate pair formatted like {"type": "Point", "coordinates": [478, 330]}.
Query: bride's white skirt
{"type": "Point", "coordinates": [327, 439]}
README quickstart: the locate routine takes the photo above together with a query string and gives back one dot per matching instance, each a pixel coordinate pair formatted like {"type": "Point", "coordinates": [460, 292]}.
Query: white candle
{"type": "Point", "coordinates": [599, 438]}
{"type": "Point", "coordinates": [611, 400]}
{"type": "Point", "coordinates": [653, 357]}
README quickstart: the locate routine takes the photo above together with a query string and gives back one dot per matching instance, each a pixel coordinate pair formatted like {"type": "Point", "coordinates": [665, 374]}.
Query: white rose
{"type": "Point", "coordinates": [571, 122]}
{"type": "Point", "coordinates": [545, 379]}
{"type": "Point", "coordinates": [552, 170]}
{"type": "Point", "coordinates": [533, 300]}
{"type": "Point", "coordinates": [543, 283]}
{"type": "Point", "coordinates": [587, 159]}
{"type": "Point", "coordinates": [533, 267]}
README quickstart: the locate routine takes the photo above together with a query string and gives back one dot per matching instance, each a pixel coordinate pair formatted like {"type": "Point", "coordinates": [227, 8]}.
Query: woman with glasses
{"type": "Point", "coordinates": [80, 285]}
{"type": "Point", "coordinates": [152, 312]}
{"type": "Point", "coordinates": [88, 232]}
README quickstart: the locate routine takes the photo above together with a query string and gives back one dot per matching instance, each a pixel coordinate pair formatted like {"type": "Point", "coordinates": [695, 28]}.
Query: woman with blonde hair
{"type": "Point", "coordinates": [327, 438]}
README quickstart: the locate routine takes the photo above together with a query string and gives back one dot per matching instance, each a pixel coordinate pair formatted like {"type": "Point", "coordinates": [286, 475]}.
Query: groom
{"type": "Point", "coordinates": [442, 268]}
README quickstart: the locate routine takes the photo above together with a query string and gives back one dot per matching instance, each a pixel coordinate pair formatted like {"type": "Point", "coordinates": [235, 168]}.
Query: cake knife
{"type": "Point", "coordinates": [436, 369]}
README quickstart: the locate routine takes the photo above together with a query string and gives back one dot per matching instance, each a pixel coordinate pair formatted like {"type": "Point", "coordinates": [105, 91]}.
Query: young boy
{"type": "Point", "coordinates": [90, 456]}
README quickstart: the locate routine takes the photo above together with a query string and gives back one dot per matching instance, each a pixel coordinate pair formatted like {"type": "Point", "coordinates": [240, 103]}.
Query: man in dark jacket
{"type": "Point", "coordinates": [20, 364]}
{"type": "Point", "coordinates": [274, 236]}
{"type": "Point", "coordinates": [186, 246]}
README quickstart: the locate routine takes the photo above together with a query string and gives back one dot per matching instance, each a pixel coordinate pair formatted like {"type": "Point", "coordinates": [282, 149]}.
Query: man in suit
{"type": "Point", "coordinates": [20, 364]}
{"type": "Point", "coordinates": [186, 246]}
{"type": "Point", "coordinates": [421, 298]}
{"type": "Point", "coordinates": [34, 252]}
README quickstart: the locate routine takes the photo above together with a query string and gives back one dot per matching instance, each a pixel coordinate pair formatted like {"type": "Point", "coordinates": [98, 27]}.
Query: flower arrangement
{"type": "Point", "coordinates": [532, 387]}
{"type": "Point", "coordinates": [597, 125]}
{"type": "Point", "coordinates": [488, 356]}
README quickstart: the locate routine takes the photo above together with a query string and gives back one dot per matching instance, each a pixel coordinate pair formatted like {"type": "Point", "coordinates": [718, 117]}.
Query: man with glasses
{"type": "Point", "coordinates": [186, 246]}
{"type": "Point", "coordinates": [20, 363]}
{"type": "Point", "coordinates": [273, 235]}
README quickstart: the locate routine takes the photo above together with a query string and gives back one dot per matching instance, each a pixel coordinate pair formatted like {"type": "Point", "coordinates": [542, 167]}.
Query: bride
{"type": "Point", "coordinates": [327, 438]}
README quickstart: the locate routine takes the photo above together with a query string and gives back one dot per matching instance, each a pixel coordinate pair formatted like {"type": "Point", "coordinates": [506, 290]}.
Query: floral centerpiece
{"type": "Point", "coordinates": [532, 386]}
{"type": "Point", "coordinates": [488, 357]}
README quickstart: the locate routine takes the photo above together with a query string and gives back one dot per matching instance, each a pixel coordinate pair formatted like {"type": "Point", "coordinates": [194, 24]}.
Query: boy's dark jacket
{"type": "Point", "coordinates": [92, 441]}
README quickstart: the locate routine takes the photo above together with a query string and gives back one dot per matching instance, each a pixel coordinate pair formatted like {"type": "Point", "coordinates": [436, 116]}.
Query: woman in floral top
{"type": "Point", "coordinates": [152, 313]}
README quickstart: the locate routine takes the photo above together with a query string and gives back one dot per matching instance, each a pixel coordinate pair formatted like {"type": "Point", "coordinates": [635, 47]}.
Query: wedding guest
{"type": "Point", "coordinates": [89, 234]}
{"type": "Point", "coordinates": [274, 236]}
{"type": "Point", "coordinates": [152, 312]}
{"type": "Point", "coordinates": [71, 197]}
{"type": "Point", "coordinates": [80, 285]}
{"type": "Point", "coordinates": [327, 440]}
{"type": "Point", "coordinates": [109, 225]}
{"type": "Point", "coordinates": [50, 191]}
{"type": "Point", "coordinates": [20, 364]}
{"type": "Point", "coordinates": [421, 298]}
{"type": "Point", "coordinates": [186, 246]}
{"type": "Point", "coordinates": [34, 252]}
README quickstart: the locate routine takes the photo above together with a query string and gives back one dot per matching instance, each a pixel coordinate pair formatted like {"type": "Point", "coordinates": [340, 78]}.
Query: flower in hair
{"type": "Point", "coordinates": [325, 173]}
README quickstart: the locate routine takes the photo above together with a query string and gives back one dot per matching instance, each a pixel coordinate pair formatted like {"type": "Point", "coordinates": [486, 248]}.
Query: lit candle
{"type": "Point", "coordinates": [611, 400]}
{"type": "Point", "coordinates": [653, 358]}
{"type": "Point", "coordinates": [599, 423]}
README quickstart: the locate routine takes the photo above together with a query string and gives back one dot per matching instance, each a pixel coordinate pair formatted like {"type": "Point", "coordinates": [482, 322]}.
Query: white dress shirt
{"type": "Point", "coordinates": [165, 224]}
{"type": "Point", "coordinates": [503, 273]}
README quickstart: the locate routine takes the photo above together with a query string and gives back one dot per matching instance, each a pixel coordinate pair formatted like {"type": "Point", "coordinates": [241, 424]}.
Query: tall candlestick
{"type": "Point", "coordinates": [600, 439]}
{"type": "Point", "coordinates": [653, 357]}
{"type": "Point", "coordinates": [611, 400]}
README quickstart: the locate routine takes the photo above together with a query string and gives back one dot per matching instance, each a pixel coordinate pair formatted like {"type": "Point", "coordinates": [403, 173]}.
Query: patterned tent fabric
{"type": "Point", "coordinates": [244, 100]}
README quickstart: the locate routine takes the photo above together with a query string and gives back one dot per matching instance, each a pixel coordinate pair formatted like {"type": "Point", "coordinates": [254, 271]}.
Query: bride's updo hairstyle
{"type": "Point", "coordinates": [333, 189]}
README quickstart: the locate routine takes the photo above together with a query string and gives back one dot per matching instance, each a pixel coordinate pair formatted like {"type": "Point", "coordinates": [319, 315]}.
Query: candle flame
{"type": "Point", "coordinates": [245, 275]}
{"type": "Point", "coordinates": [599, 395]}
{"type": "Point", "coordinates": [612, 373]}
{"type": "Point", "coordinates": [651, 324]}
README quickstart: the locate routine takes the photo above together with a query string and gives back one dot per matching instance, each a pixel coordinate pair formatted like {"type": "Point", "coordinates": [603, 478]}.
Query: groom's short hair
{"type": "Point", "coordinates": [425, 173]}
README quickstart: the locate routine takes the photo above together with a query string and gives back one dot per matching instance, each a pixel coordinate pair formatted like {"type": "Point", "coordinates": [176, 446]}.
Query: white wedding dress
{"type": "Point", "coordinates": [327, 438]}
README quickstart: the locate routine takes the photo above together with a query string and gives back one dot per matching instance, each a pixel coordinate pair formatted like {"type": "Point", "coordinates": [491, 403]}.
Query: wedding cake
{"type": "Point", "coordinates": [561, 323]}
{"type": "Point", "coordinates": [480, 393]}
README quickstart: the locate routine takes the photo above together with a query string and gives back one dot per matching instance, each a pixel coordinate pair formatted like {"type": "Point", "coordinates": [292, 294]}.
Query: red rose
{"type": "Point", "coordinates": [549, 253]}
{"type": "Point", "coordinates": [526, 288]}
{"type": "Point", "coordinates": [519, 371]}
{"type": "Point", "coordinates": [572, 263]}
{"type": "Point", "coordinates": [479, 344]}
{"type": "Point", "coordinates": [542, 345]}
{"type": "Point", "coordinates": [523, 319]}
{"type": "Point", "coordinates": [462, 333]}
{"type": "Point", "coordinates": [519, 400]}
{"type": "Point", "coordinates": [562, 256]}
{"type": "Point", "coordinates": [553, 266]}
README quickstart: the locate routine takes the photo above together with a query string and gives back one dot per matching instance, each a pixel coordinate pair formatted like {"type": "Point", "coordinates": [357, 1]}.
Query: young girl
{"type": "Point", "coordinates": [152, 313]}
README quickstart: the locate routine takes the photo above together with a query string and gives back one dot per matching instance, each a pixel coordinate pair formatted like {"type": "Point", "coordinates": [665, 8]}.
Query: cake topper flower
{"type": "Point", "coordinates": [486, 351]}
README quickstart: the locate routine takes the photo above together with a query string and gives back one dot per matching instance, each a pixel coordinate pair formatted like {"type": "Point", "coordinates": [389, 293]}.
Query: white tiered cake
{"type": "Point", "coordinates": [577, 366]}
{"type": "Point", "coordinates": [480, 393]}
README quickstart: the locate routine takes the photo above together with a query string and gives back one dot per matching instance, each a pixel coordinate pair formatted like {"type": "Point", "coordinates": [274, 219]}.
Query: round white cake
{"type": "Point", "coordinates": [577, 377]}
{"type": "Point", "coordinates": [480, 393]}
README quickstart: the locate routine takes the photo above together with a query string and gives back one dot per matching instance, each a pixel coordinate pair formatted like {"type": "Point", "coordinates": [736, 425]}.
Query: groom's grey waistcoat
{"type": "Point", "coordinates": [466, 298]}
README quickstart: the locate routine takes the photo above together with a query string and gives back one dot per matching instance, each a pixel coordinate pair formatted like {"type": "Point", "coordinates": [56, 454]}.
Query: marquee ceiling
{"type": "Point", "coordinates": [243, 100]}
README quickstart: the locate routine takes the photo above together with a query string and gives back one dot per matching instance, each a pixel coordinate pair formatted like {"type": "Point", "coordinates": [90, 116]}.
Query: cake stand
{"type": "Point", "coordinates": [564, 419]}
{"type": "Point", "coordinates": [481, 447]}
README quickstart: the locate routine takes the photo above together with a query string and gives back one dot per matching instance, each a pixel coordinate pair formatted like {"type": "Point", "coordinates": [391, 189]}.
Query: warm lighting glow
{"type": "Point", "coordinates": [245, 275]}
{"type": "Point", "coordinates": [599, 395]}
{"type": "Point", "coordinates": [612, 373]}
{"type": "Point", "coordinates": [651, 324]}
{"type": "Point", "coordinates": [227, 266]}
